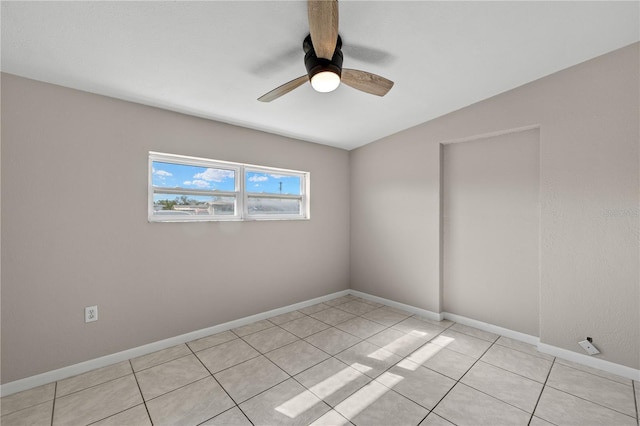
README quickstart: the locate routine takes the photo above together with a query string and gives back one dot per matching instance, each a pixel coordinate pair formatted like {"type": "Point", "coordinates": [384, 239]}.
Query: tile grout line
{"type": "Point", "coordinates": [227, 368]}
{"type": "Point", "coordinates": [289, 344]}
{"type": "Point", "coordinates": [304, 387]}
{"type": "Point", "coordinates": [222, 387]}
{"type": "Point", "coordinates": [113, 414]}
{"type": "Point", "coordinates": [634, 386]}
{"type": "Point", "coordinates": [95, 385]}
{"type": "Point", "coordinates": [330, 326]}
{"type": "Point", "coordinates": [253, 332]}
{"type": "Point", "coordinates": [155, 365]}
{"type": "Point", "coordinates": [596, 375]}
{"type": "Point", "coordinates": [144, 401]}
{"type": "Point", "coordinates": [319, 399]}
{"type": "Point", "coordinates": [386, 327]}
{"type": "Point", "coordinates": [261, 392]}
{"type": "Point", "coordinates": [303, 340]}
{"type": "Point", "coordinates": [585, 399]}
{"type": "Point", "coordinates": [513, 349]}
{"type": "Point", "coordinates": [235, 337]}
{"type": "Point", "coordinates": [591, 402]}
{"type": "Point", "coordinates": [495, 397]}
{"type": "Point", "coordinates": [594, 402]}
{"type": "Point", "coordinates": [371, 379]}
{"type": "Point", "coordinates": [348, 347]}
{"type": "Point", "coordinates": [173, 390]}
{"type": "Point", "coordinates": [553, 362]}
{"type": "Point", "coordinates": [374, 379]}
{"type": "Point", "coordinates": [635, 399]}
{"type": "Point", "coordinates": [262, 353]}
{"type": "Point", "coordinates": [53, 407]}
{"type": "Point", "coordinates": [458, 381]}
{"type": "Point", "coordinates": [226, 411]}
{"type": "Point", "coordinates": [290, 376]}
{"type": "Point", "coordinates": [521, 351]}
{"type": "Point", "coordinates": [495, 342]}
{"type": "Point", "coordinates": [513, 372]}
{"type": "Point", "coordinates": [420, 366]}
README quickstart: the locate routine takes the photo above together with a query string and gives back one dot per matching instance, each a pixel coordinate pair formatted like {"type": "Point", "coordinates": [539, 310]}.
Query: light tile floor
{"type": "Point", "coordinates": [342, 362]}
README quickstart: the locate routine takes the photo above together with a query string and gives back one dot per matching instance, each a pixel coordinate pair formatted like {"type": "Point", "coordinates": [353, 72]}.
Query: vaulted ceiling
{"type": "Point", "coordinates": [214, 59]}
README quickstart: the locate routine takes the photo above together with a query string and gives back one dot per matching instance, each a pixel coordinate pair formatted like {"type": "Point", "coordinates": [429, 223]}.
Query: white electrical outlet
{"type": "Point", "coordinates": [588, 346]}
{"type": "Point", "coordinates": [91, 313]}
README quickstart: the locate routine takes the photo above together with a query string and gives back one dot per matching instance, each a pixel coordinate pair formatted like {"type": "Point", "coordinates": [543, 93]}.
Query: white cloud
{"type": "Point", "coordinates": [258, 178]}
{"type": "Point", "coordinates": [214, 175]}
{"type": "Point", "coordinates": [162, 173]}
{"type": "Point", "coordinates": [197, 182]}
{"type": "Point", "coordinates": [279, 176]}
{"type": "Point", "coordinates": [200, 183]}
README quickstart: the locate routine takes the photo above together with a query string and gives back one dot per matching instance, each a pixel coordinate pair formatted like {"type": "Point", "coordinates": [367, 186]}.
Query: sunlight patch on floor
{"type": "Point", "coordinates": [298, 404]}
{"type": "Point", "coordinates": [389, 379]}
{"type": "Point", "coordinates": [332, 384]}
{"type": "Point", "coordinates": [380, 354]}
{"type": "Point", "coordinates": [442, 340]}
{"type": "Point", "coordinates": [330, 418]}
{"type": "Point", "coordinates": [366, 396]}
{"type": "Point", "coordinates": [390, 348]}
{"type": "Point", "coordinates": [307, 399]}
{"type": "Point", "coordinates": [422, 355]}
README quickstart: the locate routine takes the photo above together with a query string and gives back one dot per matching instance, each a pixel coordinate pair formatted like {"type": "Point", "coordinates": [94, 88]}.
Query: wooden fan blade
{"type": "Point", "coordinates": [323, 26]}
{"type": "Point", "coordinates": [284, 89]}
{"type": "Point", "coordinates": [366, 82]}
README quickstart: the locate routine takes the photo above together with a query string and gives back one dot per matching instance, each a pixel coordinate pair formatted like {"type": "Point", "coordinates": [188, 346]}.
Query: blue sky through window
{"type": "Point", "coordinates": [269, 183]}
{"type": "Point", "coordinates": [169, 175]}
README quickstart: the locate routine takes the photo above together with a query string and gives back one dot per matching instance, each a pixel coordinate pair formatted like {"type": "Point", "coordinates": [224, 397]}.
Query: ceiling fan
{"type": "Point", "coordinates": [323, 58]}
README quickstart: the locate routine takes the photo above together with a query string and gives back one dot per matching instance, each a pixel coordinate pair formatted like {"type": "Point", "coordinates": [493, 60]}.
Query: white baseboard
{"type": "Point", "coordinates": [610, 367]}
{"type": "Point", "coordinates": [418, 311]}
{"type": "Point", "coordinates": [590, 361]}
{"type": "Point", "coordinates": [515, 335]}
{"type": "Point", "coordinates": [92, 364]}
{"type": "Point", "coordinates": [83, 367]}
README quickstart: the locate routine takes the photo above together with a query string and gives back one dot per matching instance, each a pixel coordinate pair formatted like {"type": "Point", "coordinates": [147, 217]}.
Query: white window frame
{"type": "Point", "coordinates": [240, 193]}
{"type": "Point", "coordinates": [303, 197]}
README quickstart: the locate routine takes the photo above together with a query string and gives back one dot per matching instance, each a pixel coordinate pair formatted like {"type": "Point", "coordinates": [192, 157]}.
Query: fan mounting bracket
{"type": "Point", "coordinates": [307, 44]}
{"type": "Point", "coordinates": [314, 65]}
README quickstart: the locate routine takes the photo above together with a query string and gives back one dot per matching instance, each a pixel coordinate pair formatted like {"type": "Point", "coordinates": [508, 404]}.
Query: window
{"type": "Point", "coordinates": [189, 189]}
{"type": "Point", "coordinates": [270, 193]}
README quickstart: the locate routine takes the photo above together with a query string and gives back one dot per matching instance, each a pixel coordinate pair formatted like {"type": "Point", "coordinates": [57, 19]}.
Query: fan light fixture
{"type": "Point", "coordinates": [324, 69]}
{"type": "Point", "coordinates": [325, 81]}
{"type": "Point", "coordinates": [324, 74]}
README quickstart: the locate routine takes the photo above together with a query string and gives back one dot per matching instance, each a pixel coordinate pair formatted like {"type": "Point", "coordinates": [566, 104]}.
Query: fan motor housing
{"type": "Point", "coordinates": [315, 65]}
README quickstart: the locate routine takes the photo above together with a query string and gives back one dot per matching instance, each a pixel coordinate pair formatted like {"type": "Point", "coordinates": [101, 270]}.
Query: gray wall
{"type": "Point", "coordinates": [75, 230]}
{"type": "Point", "coordinates": [589, 197]}
{"type": "Point", "coordinates": [491, 228]}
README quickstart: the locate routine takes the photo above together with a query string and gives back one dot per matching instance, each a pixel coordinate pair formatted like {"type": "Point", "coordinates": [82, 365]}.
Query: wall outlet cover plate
{"type": "Point", "coordinates": [589, 347]}
{"type": "Point", "coordinates": [91, 313]}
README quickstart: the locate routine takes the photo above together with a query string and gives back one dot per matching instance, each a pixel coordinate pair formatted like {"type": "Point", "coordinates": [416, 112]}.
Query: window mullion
{"type": "Point", "coordinates": [276, 196]}
{"type": "Point", "coordinates": [242, 200]}
{"type": "Point", "coordinates": [187, 191]}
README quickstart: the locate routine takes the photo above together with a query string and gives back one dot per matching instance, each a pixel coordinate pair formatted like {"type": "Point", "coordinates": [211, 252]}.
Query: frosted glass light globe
{"type": "Point", "coordinates": [325, 81]}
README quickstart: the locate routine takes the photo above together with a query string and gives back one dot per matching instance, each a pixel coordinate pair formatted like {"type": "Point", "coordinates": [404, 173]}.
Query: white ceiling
{"type": "Point", "coordinates": [214, 59]}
